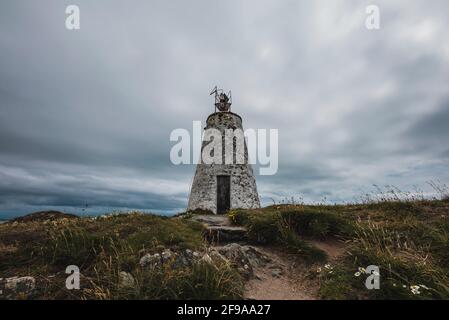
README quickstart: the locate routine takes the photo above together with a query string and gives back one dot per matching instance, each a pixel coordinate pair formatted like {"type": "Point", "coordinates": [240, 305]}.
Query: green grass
{"type": "Point", "coordinates": [407, 239]}
{"type": "Point", "coordinates": [104, 247]}
{"type": "Point", "coordinates": [290, 226]}
{"type": "Point", "coordinates": [201, 281]}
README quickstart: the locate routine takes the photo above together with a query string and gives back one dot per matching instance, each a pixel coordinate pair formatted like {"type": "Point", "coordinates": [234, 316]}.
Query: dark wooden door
{"type": "Point", "coordinates": [223, 194]}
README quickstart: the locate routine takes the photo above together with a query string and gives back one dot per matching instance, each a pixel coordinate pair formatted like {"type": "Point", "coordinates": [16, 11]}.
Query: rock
{"type": "Point", "coordinates": [276, 273]}
{"type": "Point", "coordinates": [246, 258]}
{"type": "Point", "coordinates": [218, 229]}
{"type": "Point", "coordinates": [217, 257]}
{"type": "Point", "coordinates": [245, 273]}
{"type": "Point", "coordinates": [182, 260]}
{"type": "Point", "coordinates": [225, 234]}
{"type": "Point", "coordinates": [166, 255]}
{"type": "Point", "coordinates": [126, 280]}
{"type": "Point", "coordinates": [17, 286]}
{"type": "Point", "coordinates": [206, 258]}
{"type": "Point", "coordinates": [173, 259]}
{"type": "Point", "coordinates": [150, 260]}
{"type": "Point", "coordinates": [244, 255]}
{"type": "Point", "coordinates": [211, 220]}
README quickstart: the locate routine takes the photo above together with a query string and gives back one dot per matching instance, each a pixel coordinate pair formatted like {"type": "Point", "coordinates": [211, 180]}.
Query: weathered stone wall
{"type": "Point", "coordinates": [203, 194]}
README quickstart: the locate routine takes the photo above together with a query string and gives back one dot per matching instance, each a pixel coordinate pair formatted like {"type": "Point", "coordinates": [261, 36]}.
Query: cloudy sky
{"type": "Point", "coordinates": [85, 115]}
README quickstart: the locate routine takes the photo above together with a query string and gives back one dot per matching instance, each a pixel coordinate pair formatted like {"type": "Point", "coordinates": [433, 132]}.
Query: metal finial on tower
{"type": "Point", "coordinates": [223, 101]}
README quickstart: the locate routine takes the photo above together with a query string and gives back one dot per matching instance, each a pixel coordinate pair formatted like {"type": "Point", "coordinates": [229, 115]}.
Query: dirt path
{"type": "Point", "coordinates": [334, 249]}
{"type": "Point", "coordinates": [284, 277]}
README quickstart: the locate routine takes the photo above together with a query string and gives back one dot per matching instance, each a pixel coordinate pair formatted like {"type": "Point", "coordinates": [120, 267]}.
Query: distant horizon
{"type": "Point", "coordinates": [6, 216]}
{"type": "Point", "coordinates": [433, 191]}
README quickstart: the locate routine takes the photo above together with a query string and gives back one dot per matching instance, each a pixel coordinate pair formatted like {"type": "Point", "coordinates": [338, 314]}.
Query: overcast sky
{"type": "Point", "coordinates": [85, 115]}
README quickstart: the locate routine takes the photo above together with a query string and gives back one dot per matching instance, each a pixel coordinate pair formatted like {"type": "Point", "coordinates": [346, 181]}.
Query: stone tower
{"type": "Point", "coordinates": [221, 185]}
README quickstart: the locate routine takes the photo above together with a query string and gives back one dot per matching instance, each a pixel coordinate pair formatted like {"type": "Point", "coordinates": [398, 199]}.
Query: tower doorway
{"type": "Point", "coordinates": [223, 194]}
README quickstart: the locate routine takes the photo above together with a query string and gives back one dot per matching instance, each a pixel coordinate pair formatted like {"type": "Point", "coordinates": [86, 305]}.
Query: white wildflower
{"type": "Point", "coordinates": [415, 289]}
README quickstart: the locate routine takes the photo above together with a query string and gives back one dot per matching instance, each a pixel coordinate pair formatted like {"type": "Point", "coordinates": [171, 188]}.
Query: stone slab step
{"type": "Point", "coordinates": [225, 234]}
{"type": "Point", "coordinates": [212, 220]}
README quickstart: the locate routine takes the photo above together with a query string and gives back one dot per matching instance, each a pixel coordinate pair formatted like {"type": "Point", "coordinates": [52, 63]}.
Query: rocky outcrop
{"type": "Point", "coordinates": [126, 280]}
{"type": "Point", "coordinates": [244, 258]}
{"type": "Point", "coordinates": [17, 287]}
{"type": "Point", "coordinates": [170, 258]}
{"type": "Point", "coordinates": [150, 260]}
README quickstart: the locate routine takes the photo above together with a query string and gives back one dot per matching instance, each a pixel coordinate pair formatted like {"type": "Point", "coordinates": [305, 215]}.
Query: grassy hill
{"type": "Point", "coordinates": [408, 240]}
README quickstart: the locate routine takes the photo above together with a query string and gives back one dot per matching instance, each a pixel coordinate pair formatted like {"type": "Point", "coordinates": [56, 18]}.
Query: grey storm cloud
{"type": "Point", "coordinates": [85, 115]}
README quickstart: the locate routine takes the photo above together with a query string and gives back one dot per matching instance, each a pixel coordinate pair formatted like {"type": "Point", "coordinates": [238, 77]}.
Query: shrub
{"type": "Point", "coordinates": [201, 281]}
{"type": "Point", "coordinates": [294, 244]}
{"type": "Point", "coordinates": [240, 217]}
{"type": "Point", "coordinates": [403, 264]}
{"type": "Point", "coordinates": [320, 224]}
{"type": "Point", "coordinates": [263, 228]}
{"type": "Point", "coordinates": [270, 227]}
{"type": "Point", "coordinates": [72, 245]}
